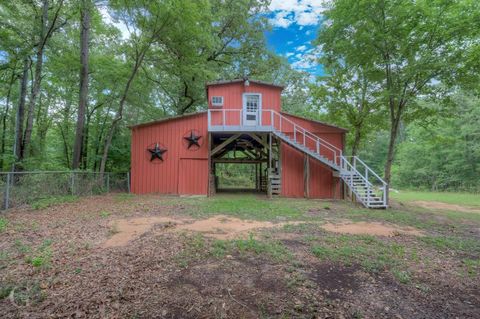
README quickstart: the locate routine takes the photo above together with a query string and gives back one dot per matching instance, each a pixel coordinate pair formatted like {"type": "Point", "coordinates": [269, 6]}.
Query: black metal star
{"type": "Point", "coordinates": [193, 140]}
{"type": "Point", "coordinates": [156, 152]}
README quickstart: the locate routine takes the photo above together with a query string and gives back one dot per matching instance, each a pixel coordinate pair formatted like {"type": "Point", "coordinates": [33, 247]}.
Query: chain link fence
{"type": "Point", "coordinates": [20, 188]}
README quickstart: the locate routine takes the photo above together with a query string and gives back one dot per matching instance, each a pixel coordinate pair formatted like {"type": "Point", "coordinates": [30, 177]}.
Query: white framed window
{"type": "Point", "coordinates": [217, 100]}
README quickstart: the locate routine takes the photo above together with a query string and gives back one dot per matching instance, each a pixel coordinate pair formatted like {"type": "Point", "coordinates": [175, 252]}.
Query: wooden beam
{"type": "Point", "coordinates": [224, 143]}
{"type": "Point", "coordinates": [258, 139]}
{"type": "Point", "coordinates": [238, 161]}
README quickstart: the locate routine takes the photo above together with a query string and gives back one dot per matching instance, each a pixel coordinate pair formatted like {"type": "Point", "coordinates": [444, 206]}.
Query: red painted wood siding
{"type": "Point", "coordinates": [193, 176]}
{"type": "Point", "coordinates": [233, 100]}
{"type": "Point", "coordinates": [292, 172]}
{"type": "Point", "coordinates": [157, 177]}
{"type": "Point", "coordinates": [321, 176]}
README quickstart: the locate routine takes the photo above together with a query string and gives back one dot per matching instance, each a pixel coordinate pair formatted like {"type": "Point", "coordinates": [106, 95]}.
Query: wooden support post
{"type": "Point", "coordinates": [306, 176]}
{"type": "Point", "coordinates": [269, 167]}
{"type": "Point", "coordinates": [209, 142]}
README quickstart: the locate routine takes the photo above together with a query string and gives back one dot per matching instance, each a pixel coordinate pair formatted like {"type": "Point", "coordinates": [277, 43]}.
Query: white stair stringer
{"type": "Point", "coordinates": [354, 172]}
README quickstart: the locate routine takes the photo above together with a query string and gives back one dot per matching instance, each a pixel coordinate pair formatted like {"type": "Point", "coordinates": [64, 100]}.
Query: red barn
{"type": "Point", "coordinates": [244, 124]}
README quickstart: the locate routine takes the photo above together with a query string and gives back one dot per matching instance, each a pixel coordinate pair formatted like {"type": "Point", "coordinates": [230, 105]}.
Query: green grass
{"type": "Point", "coordinates": [457, 244]}
{"type": "Point", "coordinates": [43, 255]}
{"type": "Point", "coordinates": [54, 200]}
{"type": "Point", "coordinates": [3, 224]}
{"type": "Point", "coordinates": [272, 249]}
{"type": "Point", "coordinates": [251, 207]}
{"type": "Point", "coordinates": [467, 199]}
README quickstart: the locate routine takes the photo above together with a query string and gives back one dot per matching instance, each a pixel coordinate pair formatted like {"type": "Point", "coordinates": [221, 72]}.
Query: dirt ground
{"type": "Point", "coordinates": [156, 257]}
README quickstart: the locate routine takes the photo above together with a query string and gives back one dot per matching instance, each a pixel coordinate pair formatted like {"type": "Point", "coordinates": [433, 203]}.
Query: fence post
{"type": "Point", "coordinates": [128, 182]}
{"type": "Point", "coordinates": [72, 183]}
{"type": "Point", "coordinates": [6, 197]}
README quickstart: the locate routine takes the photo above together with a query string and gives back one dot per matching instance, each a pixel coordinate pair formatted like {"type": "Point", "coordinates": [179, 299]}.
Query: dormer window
{"type": "Point", "coordinates": [217, 101]}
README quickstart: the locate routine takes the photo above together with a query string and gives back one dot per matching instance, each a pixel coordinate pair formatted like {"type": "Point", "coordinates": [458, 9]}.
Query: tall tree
{"type": "Point", "coordinates": [412, 45]}
{"type": "Point", "coordinates": [349, 97]}
{"type": "Point", "coordinates": [46, 28]}
{"type": "Point", "coordinates": [83, 96]}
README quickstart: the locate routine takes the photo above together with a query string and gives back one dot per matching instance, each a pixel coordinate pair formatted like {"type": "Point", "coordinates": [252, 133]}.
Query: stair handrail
{"type": "Point", "coordinates": [357, 159]}
{"type": "Point", "coordinates": [337, 153]}
{"type": "Point", "coordinates": [345, 165]}
{"type": "Point", "coordinates": [369, 172]}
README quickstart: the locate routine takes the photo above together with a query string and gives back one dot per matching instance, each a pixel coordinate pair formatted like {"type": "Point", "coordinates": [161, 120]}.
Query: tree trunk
{"type": "Point", "coordinates": [83, 100]}
{"type": "Point", "coordinates": [108, 140]}
{"type": "Point", "coordinates": [37, 80]}
{"type": "Point", "coordinates": [20, 114]}
{"type": "Point", "coordinates": [4, 118]}
{"type": "Point", "coordinates": [391, 145]}
{"type": "Point", "coordinates": [356, 141]}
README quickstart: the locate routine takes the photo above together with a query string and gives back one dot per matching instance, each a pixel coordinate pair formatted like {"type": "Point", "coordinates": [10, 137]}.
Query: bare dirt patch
{"type": "Point", "coordinates": [224, 227]}
{"type": "Point", "coordinates": [219, 227]}
{"type": "Point", "coordinates": [445, 206]}
{"type": "Point", "coordinates": [371, 228]}
{"type": "Point", "coordinates": [126, 230]}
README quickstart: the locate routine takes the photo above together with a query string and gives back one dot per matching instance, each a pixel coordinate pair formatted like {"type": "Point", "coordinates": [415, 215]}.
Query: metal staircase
{"type": "Point", "coordinates": [364, 185]}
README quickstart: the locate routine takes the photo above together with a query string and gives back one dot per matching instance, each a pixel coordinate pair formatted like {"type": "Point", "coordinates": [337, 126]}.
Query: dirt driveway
{"type": "Point", "coordinates": [122, 256]}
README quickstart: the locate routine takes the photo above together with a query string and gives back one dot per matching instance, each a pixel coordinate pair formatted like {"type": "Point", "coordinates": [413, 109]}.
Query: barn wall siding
{"type": "Point", "coordinates": [186, 172]}
{"type": "Point", "coordinates": [232, 95]}
{"type": "Point", "coordinates": [158, 177]}
{"type": "Point", "coordinates": [321, 183]}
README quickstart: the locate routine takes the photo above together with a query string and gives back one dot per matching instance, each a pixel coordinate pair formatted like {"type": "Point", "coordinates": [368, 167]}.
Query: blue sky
{"type": "Point", "coordinates": [295, 24]}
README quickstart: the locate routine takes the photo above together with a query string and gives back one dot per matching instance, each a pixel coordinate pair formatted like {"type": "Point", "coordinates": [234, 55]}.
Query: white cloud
{"type": "Point", "coordinates": [306, 60]}
{"type": "Point", "coordinates": [283, 19]}
{"type": "Point", "coordinates": [301, 12]}
{"type": "Point", "coordinates": [289, 54]}
{"type": "Point", "coordinates": [301, 48]}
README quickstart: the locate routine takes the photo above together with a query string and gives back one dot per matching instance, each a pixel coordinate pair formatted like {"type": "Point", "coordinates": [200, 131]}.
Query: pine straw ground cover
{"type": "Point", "coordinates": [53, 263]}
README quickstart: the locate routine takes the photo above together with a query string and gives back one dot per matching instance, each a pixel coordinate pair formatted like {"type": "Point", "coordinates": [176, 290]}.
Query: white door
{"type": "Point", "coordinates": [251, 109]}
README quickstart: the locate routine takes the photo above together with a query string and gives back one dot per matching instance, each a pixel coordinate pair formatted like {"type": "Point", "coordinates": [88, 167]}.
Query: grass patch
{"type": "Point", "coordinates": [123, 197]}
{"type": "Point", "coordinates": [467, 199]}
{"type": "Point", "coordinates": [443, 243]}
{"type": "Point", "coordinates": [272, 249]}
{"type": "Point", "coordinates": [43, 255]}
{"type": "Point", "coordinates": [3, 224]}
{"type": "Point", "coordinates": [195, 249]}
{"type": "Point", "coordinates": [369, 252]}
{"type": "Point", "coordinates": [23, 294]}
{"type": "Point", "coordinates": [250, 207]}
{"type": "Point", "coordinates": [473, 266]}
{"type": "Point", "coordinates": [54, 200]}
{"type": "Point", "coordinates": [104, 214]}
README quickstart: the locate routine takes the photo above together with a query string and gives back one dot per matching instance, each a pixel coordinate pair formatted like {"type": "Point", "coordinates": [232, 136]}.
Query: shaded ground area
{"type": "Point", "coordinates": [237, 256]}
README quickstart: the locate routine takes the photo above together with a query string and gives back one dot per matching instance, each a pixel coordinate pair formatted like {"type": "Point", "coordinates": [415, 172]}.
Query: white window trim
{"type": "Point", "coordinates": [217, 104]}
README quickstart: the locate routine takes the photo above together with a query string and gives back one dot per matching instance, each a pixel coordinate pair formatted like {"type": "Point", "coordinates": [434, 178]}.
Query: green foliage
{"type": "Point", "coordinates": [54, 200]}
{"type": "Point", "coordinates": [3, 224]}
{"type": "Point", "coordinates": [444, 155]}
{"type": "Point", "coordinates": [403, 50]}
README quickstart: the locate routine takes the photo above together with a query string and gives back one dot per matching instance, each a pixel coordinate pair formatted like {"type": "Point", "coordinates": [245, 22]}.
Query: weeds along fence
{"type": "Point", "coordinates": [20, 188]}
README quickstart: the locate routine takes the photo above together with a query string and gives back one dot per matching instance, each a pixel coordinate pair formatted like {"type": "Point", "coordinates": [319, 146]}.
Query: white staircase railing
{"type": "Point", "coordinates": [369, 188]}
